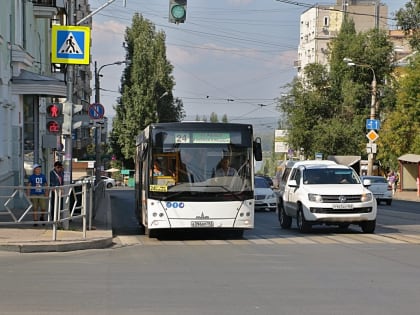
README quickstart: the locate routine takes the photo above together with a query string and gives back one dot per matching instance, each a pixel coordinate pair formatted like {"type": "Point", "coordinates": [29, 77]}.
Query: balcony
{"type": "Point", "coordinates": [46, 9]}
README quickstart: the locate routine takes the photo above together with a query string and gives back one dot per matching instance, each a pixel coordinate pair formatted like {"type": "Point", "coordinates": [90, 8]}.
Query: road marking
{"type": "Point", "coordinates": [408, 238]}
{"type": "Point", "coordinates": [343, 239]}
{"type": "Point", "coordinates": [367, 238]}
{"type": "Point", "coordinates": [291, 239]}
{"type": "Point", "coordinates": [323, 240]}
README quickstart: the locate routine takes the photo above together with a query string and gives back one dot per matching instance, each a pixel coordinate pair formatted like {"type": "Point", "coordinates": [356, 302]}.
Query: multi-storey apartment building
{"type": "Point", "coordinates": [29, 82]}
{"type": "Point", "coordinates": [321, 23]}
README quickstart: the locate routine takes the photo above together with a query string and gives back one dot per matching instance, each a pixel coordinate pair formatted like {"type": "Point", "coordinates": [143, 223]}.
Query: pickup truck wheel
{"type": "Point", "coordinates": [285, 220]}
{"type": "Point", "coordinates": [302, 224]}
{"type": "Point", "coordinates": [368, 226]}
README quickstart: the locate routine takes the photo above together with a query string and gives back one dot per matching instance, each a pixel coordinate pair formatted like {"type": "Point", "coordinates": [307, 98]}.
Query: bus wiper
{"type": "Point", "coordinates": [234, 194]}
{"type": "Point", "coordinates": [226, 189]}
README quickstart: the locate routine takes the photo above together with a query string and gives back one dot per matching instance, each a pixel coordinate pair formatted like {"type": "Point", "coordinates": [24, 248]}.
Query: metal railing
{"type": "Point", "coordinates": [64, 204]}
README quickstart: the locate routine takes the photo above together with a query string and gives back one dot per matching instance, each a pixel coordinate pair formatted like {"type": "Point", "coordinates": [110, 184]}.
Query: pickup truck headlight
{"type": "Point", "coordinates": [366, 197]}
{"type": "Point", "coordinates": [315, 197]}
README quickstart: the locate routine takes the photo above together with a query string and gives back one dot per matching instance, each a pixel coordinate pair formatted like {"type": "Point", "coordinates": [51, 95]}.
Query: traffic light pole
{"type": "Point", "coordinates": [68, 146]}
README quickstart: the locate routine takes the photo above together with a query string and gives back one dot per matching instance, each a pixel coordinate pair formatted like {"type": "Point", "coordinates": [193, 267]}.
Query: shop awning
{"type": "Point", "coordinates": [35, 84]}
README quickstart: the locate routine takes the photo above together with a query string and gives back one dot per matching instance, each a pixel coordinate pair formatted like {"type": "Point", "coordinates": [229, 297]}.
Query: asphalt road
{"type": "Point", "coordinates": [255, 275]}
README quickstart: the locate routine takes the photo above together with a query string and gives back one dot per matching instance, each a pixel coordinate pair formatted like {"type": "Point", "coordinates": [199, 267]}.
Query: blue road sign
{"type": "Point", "coordinates": [372, 124]}
{"type": "Point", "coordinates": [70, 44]}
{"type": "Point", "coordinates": [96, 111]}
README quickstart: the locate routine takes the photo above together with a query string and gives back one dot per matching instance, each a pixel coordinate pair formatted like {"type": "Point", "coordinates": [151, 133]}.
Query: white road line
{"type": "Point", "coordinates": [388, 238]}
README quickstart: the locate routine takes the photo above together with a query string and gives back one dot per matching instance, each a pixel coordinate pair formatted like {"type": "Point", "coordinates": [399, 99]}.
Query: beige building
{"type": "Point", "coordinates": [321, 23]}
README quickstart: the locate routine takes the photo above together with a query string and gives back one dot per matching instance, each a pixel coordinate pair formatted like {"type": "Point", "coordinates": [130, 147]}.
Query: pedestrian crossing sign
{"type": "Point", "coordinates": [70, 44]}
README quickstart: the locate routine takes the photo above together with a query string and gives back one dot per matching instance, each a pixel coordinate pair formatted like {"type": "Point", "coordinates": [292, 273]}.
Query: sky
{"type": "Point", "coordinates": [232, 57]}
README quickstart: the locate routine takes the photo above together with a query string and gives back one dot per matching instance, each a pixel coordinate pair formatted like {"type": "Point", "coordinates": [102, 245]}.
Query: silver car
{"type": "Point", "coordinates": [380, 188]}
{"type": "Point", "coordinates": [265, 198]}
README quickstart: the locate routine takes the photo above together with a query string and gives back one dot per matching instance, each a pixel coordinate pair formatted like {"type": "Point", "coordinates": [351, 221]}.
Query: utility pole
{"type": "Point", "coordinates": [97, 124]}
{"type": "Point", "coordinates": [373, 108]}
{"type": "Point", "coordinates": [371, 154]}
{"type": "Point", "coordinates": [97, 134]}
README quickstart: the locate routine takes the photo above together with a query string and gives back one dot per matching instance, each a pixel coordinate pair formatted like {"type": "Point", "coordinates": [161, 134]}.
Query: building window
{"type": "Point", "coordinates": [326, 21]}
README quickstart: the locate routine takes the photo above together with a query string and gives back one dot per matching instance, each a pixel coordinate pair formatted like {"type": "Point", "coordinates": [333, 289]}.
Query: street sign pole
{"type": "Point", "coordinates": [68, 145]}
{"type": "Point", "coordinates": [372, 136]}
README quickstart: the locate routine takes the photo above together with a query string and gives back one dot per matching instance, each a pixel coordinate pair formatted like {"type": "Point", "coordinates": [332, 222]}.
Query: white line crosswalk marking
{"type": "Point", "coordinates": [284, 239]}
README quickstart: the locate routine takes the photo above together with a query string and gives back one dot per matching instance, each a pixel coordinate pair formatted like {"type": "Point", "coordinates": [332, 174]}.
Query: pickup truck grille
{"type": "Point", "coordinates": [341, 198]}
{"type": "Point", "coordinates": [341, 211]}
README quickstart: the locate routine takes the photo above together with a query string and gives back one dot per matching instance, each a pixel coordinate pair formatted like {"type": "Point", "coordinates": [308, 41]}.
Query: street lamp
{"type": "Point", "coordinates": [157, 104]}
{"type": "Point", "coordinates": [371, 154]}
{"type": "Point", "coordinates": [97, 124]}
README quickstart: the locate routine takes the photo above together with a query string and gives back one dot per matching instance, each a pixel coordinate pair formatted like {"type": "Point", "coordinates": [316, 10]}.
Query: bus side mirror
{"type": "Point", "coordinates": [257, 149]}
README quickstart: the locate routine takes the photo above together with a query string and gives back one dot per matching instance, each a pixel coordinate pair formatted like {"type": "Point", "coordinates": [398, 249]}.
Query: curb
{"type": "Point", "coordinates": [58, 247]}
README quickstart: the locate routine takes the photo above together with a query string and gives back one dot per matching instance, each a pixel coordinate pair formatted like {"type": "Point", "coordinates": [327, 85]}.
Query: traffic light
{"type": "Point", "coordinates": [77, 119]}
{"type": "Point", "coordinates": [177, 11]}
{"type": "Point", "coordinates": [70, 122]}
{"type": "Point", "coordinates": [67, 118]}
{"type": "Point", "coordinates": [54, 118]}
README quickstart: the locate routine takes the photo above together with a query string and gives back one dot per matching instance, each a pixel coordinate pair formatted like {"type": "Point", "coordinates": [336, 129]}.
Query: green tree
{"type": "Point", "coordinates": [400, 131]}
{"type": "Point", "coordinates": [225, 119]}
{"type": "Point", "coordinates": [327, 107]}
{"type": "Point", "coordinates": [214, 118]}
{"type": "Point", "coordinates": [147, 85]}
{"type": "Point", "coordinates": [409, 20]}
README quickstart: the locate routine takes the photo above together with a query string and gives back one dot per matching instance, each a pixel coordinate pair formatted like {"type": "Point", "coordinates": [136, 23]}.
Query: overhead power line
{"type": "Point", "coordinates": [325, 7]}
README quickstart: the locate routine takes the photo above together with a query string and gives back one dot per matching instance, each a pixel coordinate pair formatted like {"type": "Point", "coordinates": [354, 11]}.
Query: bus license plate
{"type": "Point", "coordinates": [202, 224]}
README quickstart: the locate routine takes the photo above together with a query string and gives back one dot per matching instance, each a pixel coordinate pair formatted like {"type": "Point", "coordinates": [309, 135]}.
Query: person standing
{"type": "Point", "coordinates": [37, 193]}
{"type": "Point", "coordinates": [56, 180]}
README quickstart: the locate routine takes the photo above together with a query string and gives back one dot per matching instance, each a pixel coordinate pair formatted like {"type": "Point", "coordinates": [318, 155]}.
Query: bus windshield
{"type": "Point", "coordinates": [200, 165]}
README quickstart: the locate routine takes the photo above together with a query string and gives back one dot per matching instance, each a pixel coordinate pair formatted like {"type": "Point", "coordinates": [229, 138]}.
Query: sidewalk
{"type": "Point", "coordinates": [27, 239]}
{"type": "Point", "coordinates": [407, 195]}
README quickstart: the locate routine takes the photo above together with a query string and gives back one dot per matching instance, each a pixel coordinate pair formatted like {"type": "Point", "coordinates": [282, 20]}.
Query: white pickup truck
{"type": "Point", "coordinates": [323, 192]}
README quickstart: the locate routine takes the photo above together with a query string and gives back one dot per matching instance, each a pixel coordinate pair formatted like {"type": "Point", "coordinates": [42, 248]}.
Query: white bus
{"type": "Point", "coordinates": [180, 183]}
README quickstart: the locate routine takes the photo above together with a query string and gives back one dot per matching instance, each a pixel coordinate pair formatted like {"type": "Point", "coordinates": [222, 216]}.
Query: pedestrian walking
{"type": "Point", "coordinates": [392, 180]}
{"type": "Point", "coordinates": [56, 180]}
{"type": "Point", "coordinates": [37, 193]}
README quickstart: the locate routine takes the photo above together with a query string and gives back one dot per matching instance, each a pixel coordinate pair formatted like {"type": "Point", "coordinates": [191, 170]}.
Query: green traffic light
{"type": "Point", "coordinates": [178, 12]}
